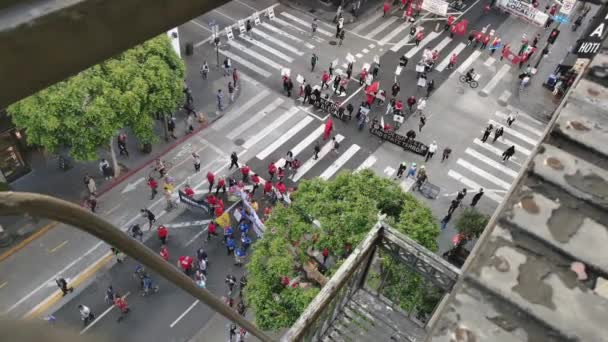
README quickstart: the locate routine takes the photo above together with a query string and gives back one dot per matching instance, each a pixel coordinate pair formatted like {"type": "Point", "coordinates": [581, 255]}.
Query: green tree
{"type": "Point", "coordinates": [471, 224]}
{"type": "Point", "coordinates": [343, 210]}
{"type": "Point", "coordinates": [85, 112]}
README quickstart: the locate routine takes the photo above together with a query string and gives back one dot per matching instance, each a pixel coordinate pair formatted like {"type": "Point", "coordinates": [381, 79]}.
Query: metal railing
{"type": "Point", "coordinates": [37, 205]}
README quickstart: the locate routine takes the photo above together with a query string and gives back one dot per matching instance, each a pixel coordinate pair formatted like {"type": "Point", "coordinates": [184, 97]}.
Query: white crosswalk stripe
{"type": "Point", "coordinates": [527, 118]}
{"type": "Point", "coordinates": [286, 35]}
{"type": "Point", "coordinates": [305, 23]}
{"type": "Point", "coordinates": [278, 42]}
{"type": "Point", "coordinates": [381, 27]}
{"type": "Point", "coordinates": [484, 174]}
{"type": "Point", "coordinates": [422, 44]}
{"type": "Point", "coordinates": [245, 63]}
{"type": "Point", "coordinates": [494, 150]}
{"type": "Point", "coordinates": [473, 185]}
{"type": "Point", "coordinates": [465, 65]}
{"type": "Point", "coordinates": [442, 44]}
{"type": "Point", "coordinates": [294, 27]}
{"type": "Point", "coordinates": [498, 166]}
{"type": "Point", "coordinates": [339, 163]}
{"type": "Point", "coordinates": [296, 150]}
{"type": "Point", "coordinates": [232, 115]}
{"type": "Point", "coordinates": [444, 63]}
{"type": "Point", "coordinates": [387, 38]}
{"type": "Point", "coordinates": [401, 43]}
{"type": "Point", "coordinates": [515, 133]}
{"type": "Point", "coordinates": [310, 163]}
{"type": "Point", "coordinates": [368, 163]}
{"type": "Point", "coordinates": [518, 148]}
{"type": "Point", "coordinates": [255, 55]}
{"type": "Point", "coordinates": [270, 49]}
{"type": "Point", "coordinates": [274, 124]}
{"type": "Point", "coordinates": [285, 137]}
{"type": "Point", "coordinates": [254, 119]}
{"type": "Point", "coordinates": [368, 22]}
{"type": "Point", "coordinates": [523, 125]}
{"type": "Point", "coordinates": [496, 78]}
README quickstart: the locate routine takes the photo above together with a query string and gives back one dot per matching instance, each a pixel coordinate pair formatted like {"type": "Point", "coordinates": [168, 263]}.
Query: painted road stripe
{"type": "Point", "coordinates": [498, 166]}
{"type": "Point", "coordinates": [307, 141]}
{"type": "Point", "coordinates": [490, 61]}
{"type": "Point", "coordinates": [494, 150]}
{"type": "Point", "coordinates": [310, 163]}
{"type": "Point", "coordinates": [465, 65]}
{"type": "Point", "coordinates": [286, 35]}
{"type": "Point", "coordinates": [504, 97]}
{"type": "Point", "coordinates": [523, 125]}
{"type": "Point", "coordinates": [442, 44]}
{"type": "Point", "coordinates": [256, 118]}
{"type": "Point", "coordinates": [386, 23]}
{"type": "Point", "coordinates": [271, 127]}
{"type": "Point", "coordinates": [305, 23]}
{"type": "Point", "coordinates": [230, 116]}
{"type": "Point", "coordinates": [401, 43]}
{"type": "Point", "coordinates": [184, 314]}
{"type": "Point", "coordinates": [27, 241]}
{"type": "Point", "coordinates": [284, 23]}
{"type": "Point", "coordinates": [368, 163]}
{"type": "Point", "coordinates": [368, 22]}
{"type": "Point", "coordinates": [497, 77]}
{"type": "Point", "coordinates": [270, 49]}
{"type": "Point", "coordinates": [387, 38]}
{"type": "Point", "coordinates": [515, 133]}
{"type": "Point", "coordinates": [246, 63]}
{"type": "Point", "coordinates": [422, 44]}
{"type": "Point", "coordinates": [359, 55]}
{"type": "Point", "coordinates": [255, 55]}
{"type": "Point", "coordinates": [284, 138]}
{"type": "Point", "coordinates": [526, 117]}
{"type": "Point", "coordinates": [488, 176]}
{"type": "Point", "coordinates": [278, 42]}
{"type": "Point", "coordinates": [472, 185]}
{"type": "Point", "coordinates": [336, 165]}
{"type": "Point", "coordinates": [518, 148]}
{"type": "Point", "coordinates": [101, 316]}
{"type": "Point", "coordinates": [444, 63]}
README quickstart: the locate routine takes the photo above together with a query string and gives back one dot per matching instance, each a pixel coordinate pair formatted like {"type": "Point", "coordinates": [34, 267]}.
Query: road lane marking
{"type": "Point", "coordinates": [58, 247]}
{"type": "Point", "coordinates": [102, 315]}
{"type": "Point", "coordinates": [310, 163]}
{"type": "Point", "coordinates": [498, 166]}
{"type": "Point", "coordinates": [255, 118]}
{"type": "Point", "coordinates": [442, 44]}
{"type": "Point", "coordinates": [432, 35]}
{"type": "Point", "coordinates": [255, 55]}
{"type": "Point", "coordinates": [381, 27]}
{"type": "Point", "coordinates": [482, 173]}
{"type": "Point", "coordinates": [286, 35]}
{"type": "Point", "coordinates": [387, 38]}
{"type": "Point", "coordinates": [444, 63]}
{"type": "Point", "coordinates": [515, 133]}
{"type": "Point", "coordinates": [284, 138]}
{"type": "Point", "coordinates": [497, 77]}
{"type": "Point", "coordinates": [521, 124]}
{"type": "Point", "coordinates": [305, 23]}
{"type": "Point", "coordinates": [27, 240]}
{"type": "Point", "coordinates": [473, 185]}
{"type": "Point", "coordinates": [230, 116]}
{"type": "Point", "coordinates": [270, 49]}
{"type": "Point", "coordinates": [3, 284]}
{"type": "Point", "coordinates": [278, 42]}
{"type": "Point", "coordinates": [368, 163]}
{"type": "Point", "coordinates": [183, 314]}
{"type": "Point", "coordinates": [465, 65]}
{"type": "Point", "coordinates": [494, 150]}
{"type": "Point", "coordinates": [246, 64]}
{"type": "Point", "coordinates": [368, 22]}
{"type": "Point", "coordinates": [275, 124]}
{"type": "Point", "coordinates": [339, 163]}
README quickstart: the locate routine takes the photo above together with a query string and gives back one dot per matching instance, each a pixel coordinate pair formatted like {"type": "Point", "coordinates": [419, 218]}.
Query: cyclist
{"type": "Point", "coordinates": [470, 75]}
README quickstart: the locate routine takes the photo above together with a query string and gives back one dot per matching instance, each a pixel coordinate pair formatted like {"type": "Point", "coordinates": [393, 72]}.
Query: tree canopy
{"type": "Point", "coordinates": [471, 223]}
{"type": "Point", "coordinates": [344, 210]}
{"type": "Point", "coordinates": [85, 112]}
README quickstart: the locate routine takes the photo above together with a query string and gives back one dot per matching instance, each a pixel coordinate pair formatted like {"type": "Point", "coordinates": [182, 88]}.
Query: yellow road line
{"type": "Point", "coordinates": [51, 300]}
{"type": "Point", "coordinates": [3, 284]}
{"type": "Point", "coordinates": [58, 246]}
{"type": "Point", "coordinates": [25, 242]}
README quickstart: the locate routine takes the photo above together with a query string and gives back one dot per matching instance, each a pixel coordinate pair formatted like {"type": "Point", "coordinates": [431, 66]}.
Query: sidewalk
{"type": "Point", "coordinates": [47, 178]}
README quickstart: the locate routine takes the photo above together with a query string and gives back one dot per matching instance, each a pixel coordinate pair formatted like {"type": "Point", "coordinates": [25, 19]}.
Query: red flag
{"type": "Point", "coordinates": [373, 88]}
{"type": "Point", "coordinates": [460, 28]}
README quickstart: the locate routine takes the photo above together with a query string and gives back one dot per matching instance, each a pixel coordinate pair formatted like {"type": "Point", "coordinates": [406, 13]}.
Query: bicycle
{"type": "Point", "coordinates": [156, 173]}
{"type": "Point", "coordinates": [472, 83]}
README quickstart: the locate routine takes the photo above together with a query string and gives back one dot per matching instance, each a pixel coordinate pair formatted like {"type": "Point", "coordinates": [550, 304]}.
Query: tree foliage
{"type": "Point", "coordinates": [471, 223]}
{"type": "Point", "coordinates": [344, 210]}
{"type": "Point", "coordinates": [85, 111]}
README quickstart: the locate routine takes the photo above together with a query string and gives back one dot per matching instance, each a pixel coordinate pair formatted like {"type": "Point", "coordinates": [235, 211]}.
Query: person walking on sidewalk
{"type": "Point", "coordinates": [92, 202]}
{"type": "Point", "coordinates": [122, 144]}
{"type": "Point", "coordinates": [255, 179]}
{"type": "Point", "coordinates": [220, 100]}
{"type": "Point", "coordinates": [90, 184]}
{"type": "Point", "coordinates": [419, 37]}
{"type": "Point", "coordinates": [313, 61]}
{"type": "Point", "coordinates": [401, 169]}
{"type": "Point", "coordinates": [147, 214]}
{"type": "Point", "coordinates": [63, 286]}
{"type": "Point", "coordinates": [189, 124]}
{"type": "Point", "coordinates": [204, 70]}
{"type": "Point", "coordinates": [231, 92]}
{"type": "Point", "coordinates": [210, 180]}
{"type": "Point", "coordinates": [171, 127]}
{"type": "Point", "coordinates": [498, 133]}
{"type": "Point", "coordinates": [153, 185]}
{"type": "Point", "coordinates": [85, 314]}
{"type": "Point", "coordinates": [164, 252]}
{"type": "Point", "coordinates": [446, 154]}
{"type": "Point", "coordinates": [386, 8]}
{"type": "Point", "coordinates": [106, 169]}
{"type": "Point", "coordinates": [431, 151]}
{"type": "Point", "coordinates": [508, 153]}
{"type": "Point", "coordinates": [395, 89]}
{"type": "Point", "coordinates": [461, 194]}
{"type": "Point", "coordinates": [235, 79]}
{"type": "Point", "coordinates": [477, 197]}
{"type": "Point", "coordinates": [422, 122]}
{"type": "Point", "coordinates": [197, 161]}
{"type": "Point", "coordinates": [411, 101]}
{"type": "Point", "coordinates": [234, 159]}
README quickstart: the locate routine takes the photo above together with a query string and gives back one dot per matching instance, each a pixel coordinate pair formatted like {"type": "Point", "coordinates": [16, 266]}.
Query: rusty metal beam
{"type": "Point", "coordinates": [46, 41]}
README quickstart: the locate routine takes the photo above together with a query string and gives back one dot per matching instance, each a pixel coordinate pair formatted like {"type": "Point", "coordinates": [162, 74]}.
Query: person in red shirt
{"type": "Point", "coordinates": [153, 184]}
{"type": "Point", "coordinates": [163, 234]}
{"type": "Point", "coordinates": [245, 172]}
{"type": "Point", "coordinates": [362, 76]}
{"type": "Point", "coordinates": [478, 39]}
{"type": "Point", "coordinates": [419, 37]}
{"type": "Point", "coordinates": [188, 191]}
{"type": "Point", "coordinates": [256, 183]}
{"type": "Point", "coordinates": [267, 187]}
{"type": "Point", "coordinates": [221, 184]}
{"type": "Point", "coordinates": [280, 173]}
{"type": "Point", "coordinates": [453, 60]}
{"type": "Point", "coordinates": [267, 212]}
{"type": "Point", "coordinates": [449, 22]}
{"type": "Point", "coordinates": [185, 264]}
{"type": "Point", "coordinates": [211, 230]}
{"type": "Point", "coordinates": [164, 252]}
{"type": "Point", "coordinates": [210, 180]}
{"type": "Point", "coordinates": [219, 211]}
{"type": "Point", "coordinates": [484, 41]}
{"type": "Point", "coordinates": [411, 101]}
{"type": "Point", "coordinates": [385, 8]}
{"type": "Point", "coordinates": [272, 170]}
{"type": "Point", "coordinates": [324, 80]}
{"type": "Point", "coordinates": [220, 203]}
{"type": "Point", "coordinates": [281, 187]}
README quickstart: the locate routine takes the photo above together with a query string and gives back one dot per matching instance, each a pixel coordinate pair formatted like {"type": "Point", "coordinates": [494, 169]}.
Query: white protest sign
{"type": "Point", "coordinates": [256, 18]}
{"type": "Point", "coordinates": [241, 24]}
{"type": "Point", "coordinates": [300, 78]}
{"type": "Point", "coordinates": [435, 6]}
{"type": "Point", "coordinates": [567, 6]}
{"type": "Point", "coordinates": [229, 33]}
{"type": "Point", "coordinates": [285, 72]}
{"type": "Point", "coordinates": [350, 58]}
{"type": "Point", "coordinates": [271, 13]}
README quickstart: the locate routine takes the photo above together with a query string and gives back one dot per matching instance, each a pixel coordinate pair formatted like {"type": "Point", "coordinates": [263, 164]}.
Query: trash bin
{"type": "Point", "coordinates": [189, 49]}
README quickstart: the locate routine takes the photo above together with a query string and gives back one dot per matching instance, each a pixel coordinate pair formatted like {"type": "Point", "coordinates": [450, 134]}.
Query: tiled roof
{"type": "Point", "coordinates": [539, 272]}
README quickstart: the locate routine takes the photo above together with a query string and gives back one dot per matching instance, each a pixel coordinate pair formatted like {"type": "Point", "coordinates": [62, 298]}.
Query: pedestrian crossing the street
{"type": "Point", "coordinates": [482, 166]}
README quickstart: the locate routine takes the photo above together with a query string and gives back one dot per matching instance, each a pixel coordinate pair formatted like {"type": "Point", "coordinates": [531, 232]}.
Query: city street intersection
{"type": "Point", "coordinates": [264, 124]}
